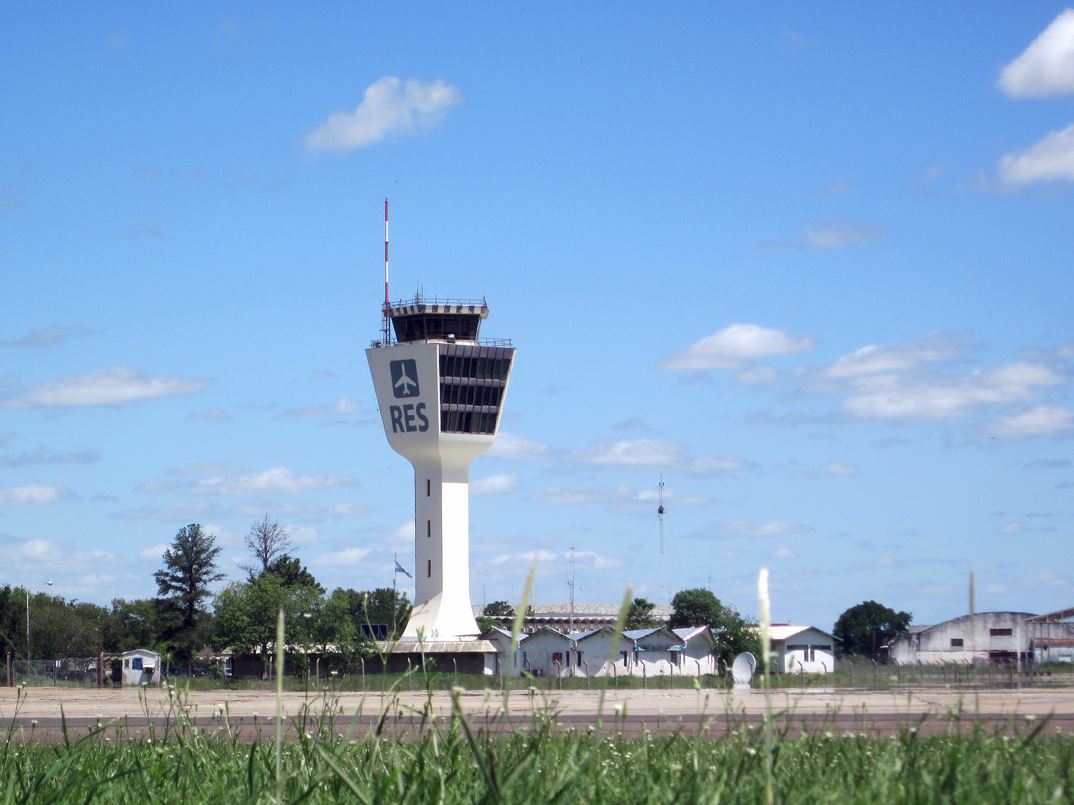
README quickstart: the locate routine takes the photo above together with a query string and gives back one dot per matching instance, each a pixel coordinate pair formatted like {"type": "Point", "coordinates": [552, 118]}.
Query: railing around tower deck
{"type": "Point", "coordinates": [436, 300]}
{"type": "Point", "coordinates": [481, 342]}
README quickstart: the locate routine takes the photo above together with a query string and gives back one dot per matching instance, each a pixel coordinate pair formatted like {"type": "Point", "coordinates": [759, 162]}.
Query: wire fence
{"type": "Point", "coordinates": [370, 675]}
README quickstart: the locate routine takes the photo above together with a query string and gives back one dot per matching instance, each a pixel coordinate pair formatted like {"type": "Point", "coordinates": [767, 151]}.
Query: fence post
{"type": "Point", "coordinates": [100, 668]}
{"type": "Point", "coordinates": [10, 670]}
{"type": "Point", "coordinates": [585, 667]}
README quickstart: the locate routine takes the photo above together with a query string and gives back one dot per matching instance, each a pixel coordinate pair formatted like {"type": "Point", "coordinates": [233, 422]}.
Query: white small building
{"type": "Point", "coordinates": [507, 663]}
{"type": "Point", "coordinates": [141, 667]}
{"type": "Point", "coordinates": [547, 652]}
{"type": "Point", "coordinates": [698, 650]}
{"type": "Point", "coordinates": [596, 653]}
{"type": "Point", "coordinates": [657, 652]}
{"type": "Point", "coordinates": [802, 649]}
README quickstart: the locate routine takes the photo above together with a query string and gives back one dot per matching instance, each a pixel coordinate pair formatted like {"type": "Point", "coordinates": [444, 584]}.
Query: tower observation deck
{"type": "Point", "coordinates": [441, 391]}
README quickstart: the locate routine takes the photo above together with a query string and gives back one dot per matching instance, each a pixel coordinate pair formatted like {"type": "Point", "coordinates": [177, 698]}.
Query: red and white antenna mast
{"type": "Point", "coordinates": [387, 336]}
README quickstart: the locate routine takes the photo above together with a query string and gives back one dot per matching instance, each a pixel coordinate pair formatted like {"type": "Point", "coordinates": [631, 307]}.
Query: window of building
{"type": "Point", "coordinates": [624, 655]}
{"type": "Point", "coordinates": [429, 570]}
{"type": "Point", "coordinates": [136, 664]}
{"type": "Point", "coordinates": [428, 528]}
{"type": "Point", "coordinates": [428, 487]}
{"type": "Point", "coordinates": [956, 642]}
{"type": "Point", "coordinates": [1000, 632]}
{"type": "Point", "coordinates": [578, 659]}
{"type": "Point", "coordinates": [557, 657]}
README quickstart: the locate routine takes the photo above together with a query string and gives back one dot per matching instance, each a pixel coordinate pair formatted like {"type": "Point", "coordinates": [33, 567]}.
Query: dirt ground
{"type": "Point", "coordinates": [816, 704]}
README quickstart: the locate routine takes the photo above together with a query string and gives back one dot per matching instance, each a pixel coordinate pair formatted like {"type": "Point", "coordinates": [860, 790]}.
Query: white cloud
{"type": "Point", "coordinates": [1046, 67]}
{"type": "Point", "coordinates": [1010, 528]}
{"type": "Point", "coordinates": [1042, 420]}
{"type": "Point", "coordinates": [734, 346]}
{"type": "Point", "coordinates": [872, 359]}
{"type": "Point", "coordinates": [403, 536]}
{"type": "Point", "coordinates": [32, 551]}
{"type": "Point", "coordinates": [840, 233]}
{"type": "Point", "coordinates": [784, 553]}
{"type": "Point", "coordinates": [31, 494]}
{"type": "Point", "coordinates": [509, 446]}
{"type": "Point", "coordinates": [938, 397]}
{"type": "Point", "coordinates": [346, 557]}
{"type": "Point", "coordinates": [108, 387]}
{"type": "Point", "coordinates": [341, 407]}
{"type": "Point", "coordinates": [494, 484]}
{"type": "Point", "coordinates": [52, 336]}
{"type": "Point", "coordinates": [839, 470]}
{"type": "Point", "coordinates": [638, 453]}
{"type": "Point", "coordinates": [1050, 159]}
{"type": "Point", "coordinates": [273, 481]}
{"type": "Point", "coordinates": [773, 528]}
{"type": "Point", "coordinates": [711, 465]}
{"type": "Point", "coordinates": [302, 534]}
{"type": "Point", "coordinates": [539, 555]}
{"type": "Point", "coordinates": [347, 508]}
{"type": "Point", "coordinates": [596, 560]}
{"type": "Point", "coordinates": [154, 553]}
{"type": "Point", "coordinates": [389, 105]}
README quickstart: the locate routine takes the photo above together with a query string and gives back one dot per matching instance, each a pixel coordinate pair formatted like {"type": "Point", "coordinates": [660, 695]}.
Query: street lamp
{"type": "Point", "coordinates": [28, 588]}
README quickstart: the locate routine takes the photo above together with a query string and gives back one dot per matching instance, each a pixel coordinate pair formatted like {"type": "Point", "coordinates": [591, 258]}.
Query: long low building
{"type": "Point", "coordinates": [599, 652]}
{"type": "Point", "coordinates": [992, 637]}
{"type": "Point", "coordinates": [576, 617]}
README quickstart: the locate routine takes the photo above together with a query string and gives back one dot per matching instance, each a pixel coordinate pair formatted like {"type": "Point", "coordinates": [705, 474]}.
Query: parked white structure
{"type": "Point", "coordinates": [699, 651]}
{"type": "Point", "coordinates": [141, 667]}
{"type": "Point", "coordinates": [802, 649]}
{"type": "Point", "coordinates": [440, 393]}
{"type": "Point", "coordinates": [993, 637]}
{"type": "Point", "coordinates": [652, 652]}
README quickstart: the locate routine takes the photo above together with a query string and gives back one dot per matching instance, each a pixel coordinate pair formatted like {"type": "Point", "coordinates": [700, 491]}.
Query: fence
{"type": "Point", "coordinates": [369, 675]}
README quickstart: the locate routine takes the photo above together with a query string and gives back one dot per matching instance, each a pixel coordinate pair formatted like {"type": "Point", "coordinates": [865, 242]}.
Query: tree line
{"type": "Point", "coordinates": [179, 621]}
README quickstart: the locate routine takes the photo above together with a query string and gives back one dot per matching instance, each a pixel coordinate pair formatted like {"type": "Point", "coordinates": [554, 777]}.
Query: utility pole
{"type": "Point", "coordinates": [570, 621]}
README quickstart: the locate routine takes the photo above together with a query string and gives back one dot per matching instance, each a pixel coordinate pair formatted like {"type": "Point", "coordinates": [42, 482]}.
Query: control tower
{"type": "Point", "coordinates": [440, 390]}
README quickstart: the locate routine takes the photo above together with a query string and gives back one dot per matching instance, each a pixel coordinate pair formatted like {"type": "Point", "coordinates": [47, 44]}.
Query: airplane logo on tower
{"type": "Point", "coordinates": [404, 378]}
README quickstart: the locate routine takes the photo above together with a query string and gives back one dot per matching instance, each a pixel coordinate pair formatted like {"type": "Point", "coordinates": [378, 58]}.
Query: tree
{"type": "Point", "coordinates": [267, 541]}
{"type": "Point", "coordinates": [382, 607]}
{"type": "Point", "coordinates": [696, 607]}
{"type": "Point", "coordinates": [292, 573]}
{"type": "Point", "coordinates": [183, 584]}
{"type": "Point", "coordinates": [699, 607]}
{"type": "Point", "coordinates": [640, 615]}
{"type": "Point", "coordinates": [864, 628]}
{"type": "Point", "coordinates": [132, 624]}
{"type": "Point", "coordinates": [495, 613]}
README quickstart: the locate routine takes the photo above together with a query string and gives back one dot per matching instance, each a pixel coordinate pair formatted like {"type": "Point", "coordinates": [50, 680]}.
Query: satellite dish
{"type": "Point", "coordinates": [742, 670]}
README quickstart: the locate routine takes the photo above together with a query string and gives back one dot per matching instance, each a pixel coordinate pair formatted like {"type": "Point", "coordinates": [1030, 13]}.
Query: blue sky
{"type": "Point", "coordinates": [808, 264]}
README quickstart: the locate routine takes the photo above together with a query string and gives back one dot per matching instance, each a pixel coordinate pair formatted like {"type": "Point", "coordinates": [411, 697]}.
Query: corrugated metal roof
{"type": "Point", "coordinates": [438, 647]}
{"type": "Point", "coordinates": [785, 631]}
{"type": "Point", "coordinates": [563, 610]}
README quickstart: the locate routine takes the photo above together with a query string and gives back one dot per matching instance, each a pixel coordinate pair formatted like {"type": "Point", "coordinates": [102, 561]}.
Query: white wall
{"type": "Point", "coordinates": [809, 651]}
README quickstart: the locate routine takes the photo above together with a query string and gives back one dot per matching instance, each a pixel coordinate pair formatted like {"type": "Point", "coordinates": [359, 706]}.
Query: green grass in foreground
{"type": "Point", "coordinates": [452, 763]}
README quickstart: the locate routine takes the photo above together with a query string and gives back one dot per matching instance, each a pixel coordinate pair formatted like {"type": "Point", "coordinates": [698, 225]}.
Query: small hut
{"type": "Point", "coordinates": [141, 667]}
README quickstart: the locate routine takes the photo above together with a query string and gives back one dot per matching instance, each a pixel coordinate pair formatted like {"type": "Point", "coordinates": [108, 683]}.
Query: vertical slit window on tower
{"type": "Point", "coordinates": [428, 487]}
{"type": "Point", "coordinates": [428, 528]}
{"type": "Point", "coordinates": [429, 568]}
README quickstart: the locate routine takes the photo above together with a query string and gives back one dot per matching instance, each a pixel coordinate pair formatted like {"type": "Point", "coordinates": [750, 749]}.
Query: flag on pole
{"type": "Point", "coordinates": [400, 569]}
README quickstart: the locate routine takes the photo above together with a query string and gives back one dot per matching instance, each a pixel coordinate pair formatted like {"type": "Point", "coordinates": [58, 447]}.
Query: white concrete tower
{"type": "Point", "coordinates": [440, 392]}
